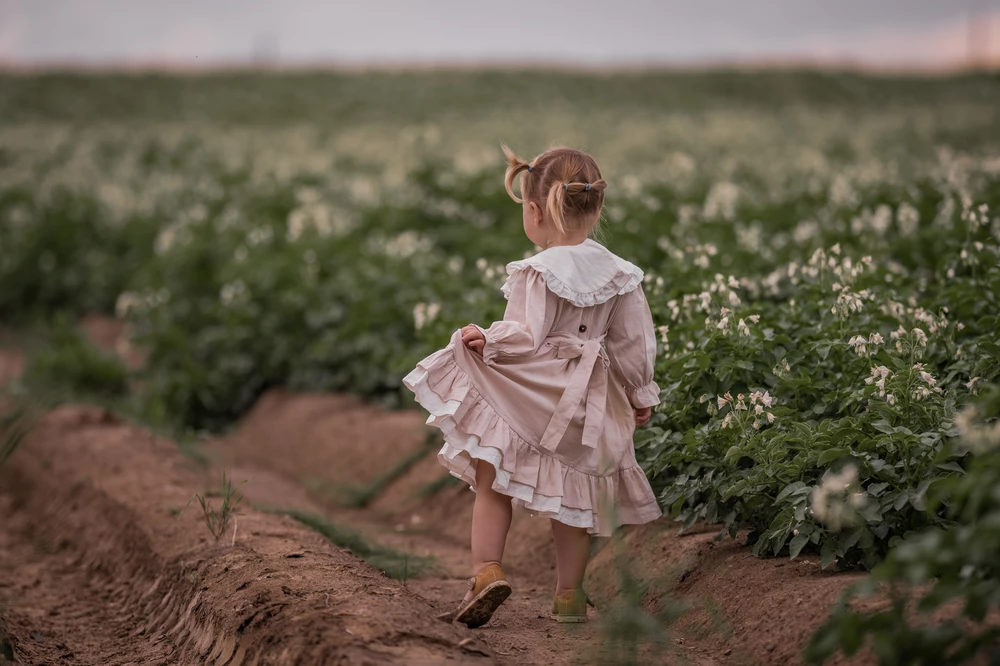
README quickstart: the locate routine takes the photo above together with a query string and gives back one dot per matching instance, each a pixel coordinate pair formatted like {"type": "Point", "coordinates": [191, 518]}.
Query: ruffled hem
{"type": "Point", "coordinates": [626, 278]}
{"type": "Point", "coordinates": [644, 396]}
{"type": "Point", "coordinates": [536, 481]}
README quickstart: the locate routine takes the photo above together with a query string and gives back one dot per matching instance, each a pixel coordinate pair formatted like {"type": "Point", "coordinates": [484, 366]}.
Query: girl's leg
{"type": "Point", "coordinates": [572, 555]}
{"type": "Point", "coordinates": [491, 516]}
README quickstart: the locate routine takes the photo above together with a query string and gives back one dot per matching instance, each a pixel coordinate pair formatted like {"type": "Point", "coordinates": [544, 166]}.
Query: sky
{"type": "Point", "coordinates": [193, 33]}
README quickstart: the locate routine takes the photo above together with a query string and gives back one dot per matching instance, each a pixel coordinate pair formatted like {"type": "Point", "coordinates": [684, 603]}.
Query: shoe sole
{"type": "Point", "coordinates": [481, 609]}
{"type": "Point", "coordinates": [569, 619]}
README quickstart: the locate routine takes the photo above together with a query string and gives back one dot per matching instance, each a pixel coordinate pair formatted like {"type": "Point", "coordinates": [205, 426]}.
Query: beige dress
{"type": "Point", "coordinates": [549, 403]}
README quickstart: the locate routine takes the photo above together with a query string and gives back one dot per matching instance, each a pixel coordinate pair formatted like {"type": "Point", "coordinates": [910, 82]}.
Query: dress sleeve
{"type": "Point", "coordinates": [529, 317]}
{"type": "Point", "coordinates": [631, 344]}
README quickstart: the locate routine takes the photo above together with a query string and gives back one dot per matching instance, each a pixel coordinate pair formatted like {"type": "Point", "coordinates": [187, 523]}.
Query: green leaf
{"type": "Point", "coordinates": [830, 455]}
{"type": "Point", "coordinates": [828, 553]}
{"type": "Point", "coordinates": [875, 489]}
{"type": "Point", "coordinates": [788, 490]}
{"type": "Point", "coordinates": [796, 545]}
{"type": "Point", "coordinates": [883, 426]}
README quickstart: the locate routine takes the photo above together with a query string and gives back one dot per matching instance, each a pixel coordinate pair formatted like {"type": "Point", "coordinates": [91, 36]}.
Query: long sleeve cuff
{"type": "Point", "coordinates": [644, 396]}
{"type": "Point", "coordinates": [491, 349]}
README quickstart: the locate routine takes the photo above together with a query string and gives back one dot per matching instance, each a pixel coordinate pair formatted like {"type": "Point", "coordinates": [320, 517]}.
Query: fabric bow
{"type": "Point", "coordinates": [588, 379]}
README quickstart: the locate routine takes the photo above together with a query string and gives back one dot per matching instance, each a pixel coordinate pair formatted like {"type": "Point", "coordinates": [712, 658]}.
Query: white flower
{"type": "Point", "coordinates": [858, 343]}
{"type": "Point", "coordinates": [754, 319]}
{"type": "Point", "coordinates": [875, 339]}
{"type": "Point", "coordinates": [971, 384]}
{"type": "Point", "coordinates": [890, 398]}
{"type": "Point", "coordinates": [767, 399]}
{"type": "Point", "coordinates": [742, 329]}
{"type": "Point", "coordinates": [734, 300]}
{"type": "Point", "coordinates": [419, 315]}
{"type": "Point", "coordinates": [723, 323]}
{"type": "Point", "coordinates": [770, 417]}
{"type": "Point", "coordinates": [231, 292]}
{"type": "Point", "coordinates": [758, 410]}
{"type": "Point", "coordinates": [879, 374]}
{"type": "Point", "coordinates": [908, 219]}
{"type": "Point", "coordinates": [927, 378]}
{"type": "Point", "coordinates": [835, 249]}
{"type": "Point", "coordinates": [920, 336]}
{"type": "Point", "coordinates": [827, 499]}
{"type": "Point", "coordinates": [663, 331]}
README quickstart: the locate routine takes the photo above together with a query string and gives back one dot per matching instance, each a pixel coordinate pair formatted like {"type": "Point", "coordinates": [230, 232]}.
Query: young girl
{"type": "Point", "coordinates": [539, 409]}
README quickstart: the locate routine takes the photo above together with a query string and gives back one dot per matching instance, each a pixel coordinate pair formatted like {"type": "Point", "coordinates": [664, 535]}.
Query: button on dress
{"type": "Point", "coordinates": [550, 402]}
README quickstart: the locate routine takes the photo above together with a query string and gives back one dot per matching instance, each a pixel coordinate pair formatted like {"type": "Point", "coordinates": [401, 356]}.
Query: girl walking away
{"type": "Point", "coordinates": [538, 410]}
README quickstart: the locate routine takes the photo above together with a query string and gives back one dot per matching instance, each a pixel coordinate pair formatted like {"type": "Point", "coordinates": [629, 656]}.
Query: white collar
{"type": "Point", "coordinates": [586, 274]}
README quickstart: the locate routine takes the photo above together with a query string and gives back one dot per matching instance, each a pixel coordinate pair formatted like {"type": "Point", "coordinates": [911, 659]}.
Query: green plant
{"type": "Point", "coordinates": [393, 563]}
{"type": "Point", "coordinates": [69, 365]}
{"type": "Point", "coordinates": [218, 520]}
{"type": "Point", "coordinates": [361, 496]}
{"type": "Point", "coordinates": [634, 625]}
{"type": "Point", "coordinates": [14, 427]}
{"type": "Point", "coordinates": [432, 488]}
{"type": "Point", "coordinates": [943, 584]}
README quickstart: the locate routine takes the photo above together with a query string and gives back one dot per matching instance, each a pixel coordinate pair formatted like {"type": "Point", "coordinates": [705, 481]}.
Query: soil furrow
{"type": "Point", "coordinates": [96, 569]}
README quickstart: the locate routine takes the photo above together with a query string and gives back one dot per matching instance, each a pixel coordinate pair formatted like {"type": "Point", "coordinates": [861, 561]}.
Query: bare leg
{"type": "Point", "coordinates": [572, 554]}
{"type": "Point", "coordinates": [491, 517]}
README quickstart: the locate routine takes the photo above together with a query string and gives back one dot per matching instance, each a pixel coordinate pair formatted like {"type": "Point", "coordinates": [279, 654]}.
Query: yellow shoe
{"type": "Point", "coordinates": [570, 607]}
{"type": "Point", "coordinates": [490, 589]}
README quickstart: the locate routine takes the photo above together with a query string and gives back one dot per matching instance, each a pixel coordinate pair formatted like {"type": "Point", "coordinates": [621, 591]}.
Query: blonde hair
{"type": "Point", "coordinates": [565, 183]}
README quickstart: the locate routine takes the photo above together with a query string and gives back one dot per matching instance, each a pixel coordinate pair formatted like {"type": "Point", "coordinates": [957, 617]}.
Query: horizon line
{"type": "Point", "coordinates": [764, 63]}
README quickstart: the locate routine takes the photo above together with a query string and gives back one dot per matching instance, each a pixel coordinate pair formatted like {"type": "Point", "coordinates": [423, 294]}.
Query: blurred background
{"type": "Point", "coordinates": [896, 34]}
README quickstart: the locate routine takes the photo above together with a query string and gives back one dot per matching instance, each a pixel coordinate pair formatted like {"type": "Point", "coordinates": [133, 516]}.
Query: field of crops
{"type": "Point", "coordinates": [821, 251]}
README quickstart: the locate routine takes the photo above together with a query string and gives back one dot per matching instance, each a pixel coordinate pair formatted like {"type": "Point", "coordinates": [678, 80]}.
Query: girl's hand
{"type": "Point", "coordinates": [642, 416]}
{"type": "Point", "coordinates": [474, 339]}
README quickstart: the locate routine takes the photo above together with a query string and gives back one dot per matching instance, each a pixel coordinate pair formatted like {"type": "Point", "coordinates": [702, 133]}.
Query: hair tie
{"type": "Point", "coordinates": [566, 187]}
{"type": "Point", "coordinates": [530, 168]}
{"type": "Point", "coordinates": [587, 188]}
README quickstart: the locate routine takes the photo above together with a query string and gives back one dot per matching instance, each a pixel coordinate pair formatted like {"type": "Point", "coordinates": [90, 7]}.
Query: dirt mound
{"type": "Point", "coordinates": [332, 443]}
{"type": "Point", "coordinates": [340, 447]}
{"type": "Point", "coordinates": [97, 568]}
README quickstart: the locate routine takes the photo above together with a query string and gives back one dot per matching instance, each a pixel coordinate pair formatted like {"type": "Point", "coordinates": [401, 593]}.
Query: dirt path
{"type": "Point", "coordinates": [314, 451]}
{"type": "Point", "coordinates": [97, 568]}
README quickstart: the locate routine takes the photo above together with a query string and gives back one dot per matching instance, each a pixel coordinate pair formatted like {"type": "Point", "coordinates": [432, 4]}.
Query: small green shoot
{"type": "Point", "coordinates": [218, 521]}
{"type": "Point", "coordinates": [393, 563]}
{"type": "Point", "coordinates": [358, 497]}
{"type": "Point", "coordinates": [431, 489]}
